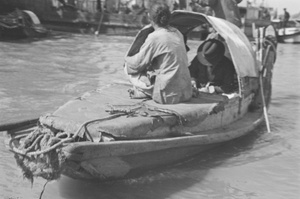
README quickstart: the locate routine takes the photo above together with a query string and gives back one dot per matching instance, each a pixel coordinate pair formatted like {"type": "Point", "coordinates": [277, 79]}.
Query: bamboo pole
{"type": "Point", "coordinates": [260, 43]}
{"type": "Point", "coordinates": [100, 23]}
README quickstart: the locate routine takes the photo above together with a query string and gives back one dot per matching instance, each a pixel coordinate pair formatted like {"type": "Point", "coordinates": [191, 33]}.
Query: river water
{"type": "Point", "coordinates": [36, 77]}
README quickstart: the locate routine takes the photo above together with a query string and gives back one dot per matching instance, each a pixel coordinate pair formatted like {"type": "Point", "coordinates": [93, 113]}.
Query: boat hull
{"type": "Point", "coordinates": [94, 139]}
{"type": "Point", "coordinates": [290, 38]}
{"type": "Point", "coordinates": [84, 16]}
{"type": "Point", "coordinates": [21, 24]}
{"type": "Point", "coordinates": [289, 35]}
{"type": "Point", "coordinates": [129, 166]}
{"type": "Point", "coordinates": [21, 33]}
{"type": "Point", "coordinates": [132, 158]}
{"type": "Point", "coordinates": [127, 159]}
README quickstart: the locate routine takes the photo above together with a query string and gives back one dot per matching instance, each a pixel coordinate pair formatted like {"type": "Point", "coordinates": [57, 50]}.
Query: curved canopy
{"type": "Point", "coordinates": [239, 46]}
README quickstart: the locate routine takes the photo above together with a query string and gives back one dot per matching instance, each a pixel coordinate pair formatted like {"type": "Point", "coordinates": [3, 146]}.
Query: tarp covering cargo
{"type": "Point", "coordinates": [144, 118]}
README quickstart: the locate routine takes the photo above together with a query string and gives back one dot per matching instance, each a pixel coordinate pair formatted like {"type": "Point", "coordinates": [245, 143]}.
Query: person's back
{"type": "Point", "coordinates": [163, 55]}
{"type": "Point", "coordinates": [170, 63]}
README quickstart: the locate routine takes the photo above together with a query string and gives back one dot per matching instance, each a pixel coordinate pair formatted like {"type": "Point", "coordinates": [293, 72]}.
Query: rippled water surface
{"type": "Point", "coordinates": [38, 76]}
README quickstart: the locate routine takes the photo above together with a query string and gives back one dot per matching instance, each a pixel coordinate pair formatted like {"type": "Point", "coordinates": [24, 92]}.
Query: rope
{"type": "Point", "coordinates": [39, 153]}
{"type": "Point", "coordinates": [269, 42]}
{"type": "Point", "coordinates": [58, 140]}
{"type": "Point", "coordinates": [44, 187]}
{"type": "Point", "coordinates": [181, 120]}
{"type": "Point", "coordinates": [58, 144]}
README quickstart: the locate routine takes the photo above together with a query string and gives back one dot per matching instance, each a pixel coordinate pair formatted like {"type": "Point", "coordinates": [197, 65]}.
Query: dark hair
{"type": "Point", "coordinates": [160, 14]}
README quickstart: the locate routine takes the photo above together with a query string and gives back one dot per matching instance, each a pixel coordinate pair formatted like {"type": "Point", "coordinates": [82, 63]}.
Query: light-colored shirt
{"type": "Point", "coordinates": [164, 52]}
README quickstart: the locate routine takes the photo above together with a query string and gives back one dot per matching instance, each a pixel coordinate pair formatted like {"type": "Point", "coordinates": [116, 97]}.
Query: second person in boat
{"type": "Point", "coordinates": [211, 70]}
{"type": "Point", "coordinates": [160, 69]}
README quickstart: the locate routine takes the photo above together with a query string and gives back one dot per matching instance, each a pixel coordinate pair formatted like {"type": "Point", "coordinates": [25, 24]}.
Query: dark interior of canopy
{"type": "Point", "coordinates": [184, 22]}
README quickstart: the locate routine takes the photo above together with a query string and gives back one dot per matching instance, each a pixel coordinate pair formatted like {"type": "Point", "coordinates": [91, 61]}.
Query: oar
{"type": "Point", "coordinates": [263, 62]}
{"type": "Point", "coordinates": [264, 104]}
{"type": "Point", "coordinates": [15, 125]}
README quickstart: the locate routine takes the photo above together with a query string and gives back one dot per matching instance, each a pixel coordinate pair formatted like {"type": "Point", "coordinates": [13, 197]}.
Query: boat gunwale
{"type": "Point", "coordinates": [77, 151]}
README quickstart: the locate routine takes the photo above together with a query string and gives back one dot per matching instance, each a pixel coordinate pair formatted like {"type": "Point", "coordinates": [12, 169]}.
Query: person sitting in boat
{"type": "Point", "coordinates": [211, 70]}
{"type": "Point", "coordinates": [160, 69]}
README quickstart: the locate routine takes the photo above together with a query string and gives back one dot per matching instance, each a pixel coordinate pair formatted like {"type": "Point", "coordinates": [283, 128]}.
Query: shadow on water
{"type": "Point", "coordinates": [166, 181]}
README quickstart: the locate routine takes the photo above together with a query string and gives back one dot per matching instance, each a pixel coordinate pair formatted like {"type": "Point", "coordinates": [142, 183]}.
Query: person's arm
{"type": "Point", "coordinates": [194, 71]}
{"type": "Point", "coordinates": [140, 61]}
{"type": "Point", "coordinates": [228, 78]}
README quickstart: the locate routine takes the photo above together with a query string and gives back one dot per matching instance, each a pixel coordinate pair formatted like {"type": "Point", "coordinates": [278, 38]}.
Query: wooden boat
{"type": "Point", "coordinates": [113, 17]}
{"type": "Point", "coordinates": [289, 34]}
{"type": "Point", "coordinates": [21, 24]}
{"type": "Point", "coordinates": [86, 16]}
{"type": "Point", "coordinates": [105, 135]}
{"type": "Point", "coordinates": [260, 16]}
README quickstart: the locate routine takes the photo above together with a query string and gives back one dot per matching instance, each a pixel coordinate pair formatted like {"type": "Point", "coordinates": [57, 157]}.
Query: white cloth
{"type": "Point", "coordinates": [137, 82]}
